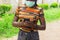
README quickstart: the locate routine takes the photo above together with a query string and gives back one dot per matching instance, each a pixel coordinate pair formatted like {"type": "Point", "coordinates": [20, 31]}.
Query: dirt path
{"type": "Point", "coordinates": [52, 32]}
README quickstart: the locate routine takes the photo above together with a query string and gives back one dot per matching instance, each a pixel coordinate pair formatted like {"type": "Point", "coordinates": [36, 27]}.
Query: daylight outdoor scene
{"type": "Point", "coordinates": [51, 10]}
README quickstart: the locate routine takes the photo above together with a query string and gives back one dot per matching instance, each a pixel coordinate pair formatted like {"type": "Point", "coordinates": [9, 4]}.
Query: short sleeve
{"type": "Point", "coordinates": [41, 12]}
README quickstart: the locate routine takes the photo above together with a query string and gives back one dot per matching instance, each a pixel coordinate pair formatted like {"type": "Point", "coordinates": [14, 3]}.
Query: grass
{"type": "Point", "coordinates": [7, 30]}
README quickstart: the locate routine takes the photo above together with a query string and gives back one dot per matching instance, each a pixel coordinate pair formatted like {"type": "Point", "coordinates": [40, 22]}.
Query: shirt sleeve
{"type": "Point", "coordinates": [41, 12]}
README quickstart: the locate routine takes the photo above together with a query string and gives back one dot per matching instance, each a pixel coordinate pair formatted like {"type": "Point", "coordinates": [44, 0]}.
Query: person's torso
{"type": "Point", "coordinates": [30, 13]}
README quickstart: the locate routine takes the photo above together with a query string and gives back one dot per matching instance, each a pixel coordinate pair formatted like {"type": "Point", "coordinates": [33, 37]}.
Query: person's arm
{"type": "Point", "coordinates": [15, 22]}
{"type": "Point", "coordinates": [42, 25]}
{"type": "Point", "coordinates": [42, 21]}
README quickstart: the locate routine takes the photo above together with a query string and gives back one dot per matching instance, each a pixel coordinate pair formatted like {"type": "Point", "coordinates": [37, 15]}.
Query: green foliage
{"type": "Point", "coordinates": [54, 5]}
{"type": "Point", "coordinates": [4, 8]}
{"type": "Point", "coordinates": [52, 14]}
{"type": "Point", "coordinates": [44, 6]}
{"type": "Point", "coordinates": [59, 5]}
{"type": "Point", "coordinates": [6, 28]}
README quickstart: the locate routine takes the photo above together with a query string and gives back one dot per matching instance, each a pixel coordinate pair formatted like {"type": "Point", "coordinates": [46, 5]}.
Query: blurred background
{"type": "Point", "coordinates": [52, 17]}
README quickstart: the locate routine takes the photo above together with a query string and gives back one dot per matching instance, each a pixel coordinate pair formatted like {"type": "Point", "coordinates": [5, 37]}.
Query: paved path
{"type": "Point", "coordinates": [52, 32]}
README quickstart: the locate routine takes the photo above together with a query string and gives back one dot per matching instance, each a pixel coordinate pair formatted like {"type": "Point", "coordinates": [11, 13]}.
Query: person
{"type": "Point", "coordinates": [32, 34]}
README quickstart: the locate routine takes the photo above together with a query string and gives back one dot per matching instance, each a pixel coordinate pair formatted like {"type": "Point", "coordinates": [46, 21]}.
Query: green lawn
{"type": "Point", "coordinates": [7, 30]}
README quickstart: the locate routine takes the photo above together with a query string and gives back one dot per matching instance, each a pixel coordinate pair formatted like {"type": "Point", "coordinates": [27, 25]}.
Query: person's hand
{"type": "Point", "coordinates": [21, 24]}
{"type": "Point", "coordinates": [30, 24]}
{"type": "Point", "coordinates": [27, 24]}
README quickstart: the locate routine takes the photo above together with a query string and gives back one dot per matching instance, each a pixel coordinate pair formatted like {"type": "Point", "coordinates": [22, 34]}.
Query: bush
{"type": "Point", "coordinates": [6, 28]}
{"type": "Point", "coordinates": [52, 14]}
{"type": "Point", "coordinates": [59, 5]}
{"type": "Point", "coordinates": [4, 8]}
{"type": "Point", "coordinates": [44, 6]}
{"type": "Point", "coordinates": [54, 5]}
